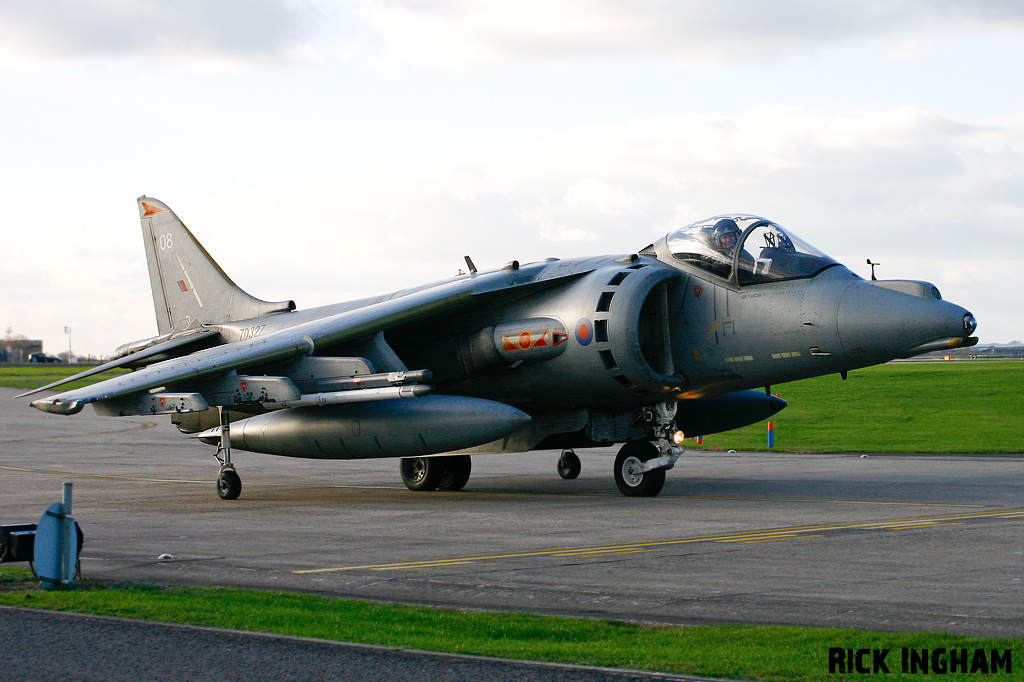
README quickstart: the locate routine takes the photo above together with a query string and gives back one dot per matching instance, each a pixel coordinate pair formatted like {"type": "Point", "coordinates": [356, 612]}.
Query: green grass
{"type": "Point", "coordinates": [940, 407]}
{"type": "Point", "coordinates": [20, 376]}
{"type": "Point", "coordinates": [11, 574]}
{"type": "Point", "coordinates": [738, 652]}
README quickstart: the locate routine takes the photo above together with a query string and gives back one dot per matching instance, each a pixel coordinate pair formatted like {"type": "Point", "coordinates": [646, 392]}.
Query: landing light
{"type": "Point", "coordinates": [970, 324]}
{"type": "Point", "coordinates": [678, 437]}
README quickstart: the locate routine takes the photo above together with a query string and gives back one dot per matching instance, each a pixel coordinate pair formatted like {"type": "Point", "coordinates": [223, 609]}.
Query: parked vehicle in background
{"type": "Point", "coordinates": [43, 357]}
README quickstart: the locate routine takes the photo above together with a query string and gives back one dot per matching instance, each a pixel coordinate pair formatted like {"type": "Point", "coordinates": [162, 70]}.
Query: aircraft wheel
{"type": "Point", "coordinates": [229, 485]}
{"type": "Point", "coordinates": [631, 482]}
{"type": "Point", "coordinates": [456, 472]}
{"type": "Point", "coordinates": [421, 473]}
{"type": "Point", "coordinates": [569, 466]}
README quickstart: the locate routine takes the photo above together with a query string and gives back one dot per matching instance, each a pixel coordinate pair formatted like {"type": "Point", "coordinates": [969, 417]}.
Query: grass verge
{"type": "Point", "coordinates": [771, 653]}
{"type": "Point", "coordinates": [926, 407]}
{"type": "Point", "coordinates": [27, 377]}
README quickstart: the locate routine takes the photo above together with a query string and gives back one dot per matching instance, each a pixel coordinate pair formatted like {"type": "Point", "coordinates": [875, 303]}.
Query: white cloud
{"type": "Point", "coordinates": [230, 32]}
{"type": "Point", "coordinates": [462, 33]}
{"type": "Point", "coordinates": [593, 195]}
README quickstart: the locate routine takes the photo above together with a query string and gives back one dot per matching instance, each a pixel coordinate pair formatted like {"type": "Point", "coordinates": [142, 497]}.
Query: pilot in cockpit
{"type": "Point", "coordinates": [723, 237]}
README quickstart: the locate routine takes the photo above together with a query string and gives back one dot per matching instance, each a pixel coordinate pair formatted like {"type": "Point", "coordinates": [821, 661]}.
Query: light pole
{"type": "Point", "coordinates": [67, 330]}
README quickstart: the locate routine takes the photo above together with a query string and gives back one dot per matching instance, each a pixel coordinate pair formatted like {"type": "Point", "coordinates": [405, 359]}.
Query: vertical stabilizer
{"type": "Point", "coordinates": [189, 288]}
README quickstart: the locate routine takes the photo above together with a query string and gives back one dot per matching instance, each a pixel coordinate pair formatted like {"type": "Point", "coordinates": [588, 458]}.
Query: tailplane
{"type": "Point", "coordinates": [189, 288]}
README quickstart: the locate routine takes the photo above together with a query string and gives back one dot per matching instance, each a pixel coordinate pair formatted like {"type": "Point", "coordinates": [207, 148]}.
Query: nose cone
{"type": "Point", "coordinates": [883, 323]}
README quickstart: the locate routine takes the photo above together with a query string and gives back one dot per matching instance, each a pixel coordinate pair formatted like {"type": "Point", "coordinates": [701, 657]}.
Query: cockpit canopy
{"type": "Point", "coordinates": [754, 249]}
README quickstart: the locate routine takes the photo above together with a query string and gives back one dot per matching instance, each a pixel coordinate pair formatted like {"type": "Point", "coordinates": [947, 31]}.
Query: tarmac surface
{"type": "Point", "coordinates": [884, 542]}
{"type": "Point", "coordinates": [120, 650]}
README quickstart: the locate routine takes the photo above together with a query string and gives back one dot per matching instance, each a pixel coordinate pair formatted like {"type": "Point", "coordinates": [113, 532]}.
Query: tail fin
{"type": "Point", "coordinates": [189, 288]}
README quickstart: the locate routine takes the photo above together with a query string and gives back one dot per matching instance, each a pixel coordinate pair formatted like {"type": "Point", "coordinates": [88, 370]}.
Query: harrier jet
{"type": "Point", "coordinates": [638, 349]}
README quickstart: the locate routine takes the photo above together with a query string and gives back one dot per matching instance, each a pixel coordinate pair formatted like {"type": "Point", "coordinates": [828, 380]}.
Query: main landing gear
{"type": "Point", "coordinates": [436, 473]}
{"type": "Point", "coordinates": [229, 484]}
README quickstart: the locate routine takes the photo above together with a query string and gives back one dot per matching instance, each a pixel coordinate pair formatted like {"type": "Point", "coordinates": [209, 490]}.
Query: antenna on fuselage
{"type": "Point", "coordinates": [469, 264]}
{"type": "Point", "coordinates": [873, 278]}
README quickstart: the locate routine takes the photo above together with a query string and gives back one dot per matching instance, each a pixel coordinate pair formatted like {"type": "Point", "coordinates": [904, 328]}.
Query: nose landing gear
{"type": "Point", "coordinates": [640, 465]}
{"type": "Point", "coordinates": [630, 476]}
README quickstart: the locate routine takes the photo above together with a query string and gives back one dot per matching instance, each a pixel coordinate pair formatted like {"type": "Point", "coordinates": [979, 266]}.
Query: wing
{"type": "Point", "coordinates": [187, 339]}
{"type": "Point", "coordinates": [295, 341]}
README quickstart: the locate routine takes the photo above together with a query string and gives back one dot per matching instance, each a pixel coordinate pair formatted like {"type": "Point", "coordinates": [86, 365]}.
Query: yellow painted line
{"type": "Point", "coordinates": [758, 534]}
{"type": "Point", "coordinates": [930, 525]}
{"type": "Point", "coordinates": [727, 498]}
{"type": "Point", "coordinates": [867, 503]}
{"type": "Point", "coordinates": [602, 552]}
{"type": "Point", "coordinates": [764, 538]}
{"type": "Point", "coordinates": [426, 566]}
{"type": "Point", "coordinates": [106, 476]}
{"type": "Point", "coordinates": [420, 563]}
{"type": "Point", "coordinates": [591, 550]}
{"type": "Point", "coordinates": [795, 537]}
{"type": "Point", "coordinates": [77, 474]}
{"type": "Point", "coordinates": [793, 533]}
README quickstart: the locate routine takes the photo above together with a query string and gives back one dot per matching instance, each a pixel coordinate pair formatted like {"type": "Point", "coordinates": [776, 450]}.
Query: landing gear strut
{"type": "Point", "coordinates": [229, 484]}
{"type": "Point", "coordinates": [641, 464]}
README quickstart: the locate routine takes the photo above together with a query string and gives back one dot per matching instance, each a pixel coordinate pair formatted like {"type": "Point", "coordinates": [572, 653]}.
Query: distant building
{"type": "Point", "coordinates": [1014, 349]}
{"type": "Point", "coordinates": [18, 350]}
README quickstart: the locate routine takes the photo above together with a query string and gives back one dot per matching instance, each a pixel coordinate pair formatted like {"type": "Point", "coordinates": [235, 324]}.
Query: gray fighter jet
{"type": "Point", "coordinates": [638, 349]}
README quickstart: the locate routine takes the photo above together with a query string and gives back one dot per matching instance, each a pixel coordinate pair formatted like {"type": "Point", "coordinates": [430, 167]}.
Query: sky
{"type": "Point", "coordinates": [324, 150]}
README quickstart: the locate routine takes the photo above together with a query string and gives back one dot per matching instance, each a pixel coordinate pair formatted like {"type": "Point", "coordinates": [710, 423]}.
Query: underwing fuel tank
{"type": "Point", "coordinates": [732, 411]}
{"type": "Point", "coordinates": [391, 428]}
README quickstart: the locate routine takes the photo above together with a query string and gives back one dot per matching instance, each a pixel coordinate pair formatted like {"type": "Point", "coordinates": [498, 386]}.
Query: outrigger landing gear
{"type": "Point", "coordinates": [641, 465]}
{"type": "Point", "coordinates": [229, 484]}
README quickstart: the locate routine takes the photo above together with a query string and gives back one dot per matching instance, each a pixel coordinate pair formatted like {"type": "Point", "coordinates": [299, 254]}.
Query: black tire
{"type": "Point", "coordinates": [421, 473]}
{"type": "Point", "coordinates": [647, 484]}
{"type": "Point", "coordinates": [229, 485]}
{"type": "Point", "coordinates": [569, 465]}
{"type": "Point", "coordinates": [457, 469]}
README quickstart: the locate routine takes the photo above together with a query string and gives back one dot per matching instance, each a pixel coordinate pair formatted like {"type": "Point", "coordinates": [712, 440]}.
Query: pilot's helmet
{"type": "Point", "coordinates": [725, 234]}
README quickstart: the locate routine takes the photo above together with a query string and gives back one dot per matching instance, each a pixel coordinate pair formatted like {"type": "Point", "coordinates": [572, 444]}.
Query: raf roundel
{"type": "Point", "coordinates": [584, 332]}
